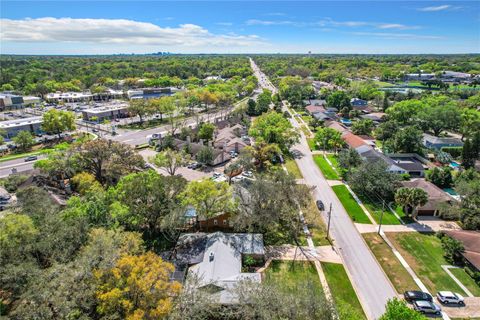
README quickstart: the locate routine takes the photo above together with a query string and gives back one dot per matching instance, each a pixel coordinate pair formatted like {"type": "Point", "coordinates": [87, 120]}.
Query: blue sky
{"type": "Point", "coordinates": [104, 27]}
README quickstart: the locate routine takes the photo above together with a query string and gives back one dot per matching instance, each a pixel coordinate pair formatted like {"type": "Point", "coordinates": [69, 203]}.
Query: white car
{"type": "Point", "coordinates": [447, 297]}
{"type": "Point", "coordinates": [247, 174]}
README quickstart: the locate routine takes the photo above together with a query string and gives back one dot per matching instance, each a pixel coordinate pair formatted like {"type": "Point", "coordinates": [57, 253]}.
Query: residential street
{"type": "Point", "coordinates": [19, 164]}
{"type": "Point", "coordinates": [372, 285]}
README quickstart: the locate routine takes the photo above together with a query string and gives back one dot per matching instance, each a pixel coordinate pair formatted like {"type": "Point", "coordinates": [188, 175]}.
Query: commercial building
{"type": "Point", "coordinates": [86, 96]}
{"type": "Point", "coordinates": [12, 127]}
{"type": "Point", "coordinates": [109, 111]}
{"type": "Point", "coordinates": [13, 101]}
{"type": "Point", "coordinates": [150, 93]}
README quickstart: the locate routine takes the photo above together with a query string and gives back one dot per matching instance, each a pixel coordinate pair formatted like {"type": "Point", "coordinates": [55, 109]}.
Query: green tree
{"type": "Point", "coordinates": [397, 309]}
{"type": "Point", "coordinates": [58, 121]}
{"type": "Point", "coordinates": [209, 198]}
{"type": "Point", "coordinates": [438, 117]}
{"type": "Point", "coordinates": [140, 108]}
{"type": "Point", "coordinates": [263, 154]}
{"type": "Point", "coordinates": [362, 127]}
{"type": "Point", "coordinates": [405, 112]}
{"type": "Point", "coordinates": [264, 100]}
{"type": "Point", "coordinates": [171, 160]}
{"type": "Point", "coordinates": [441, 177]}
{"type": "Point", "coordinates": [452, 249]}
{"type": "Point", "coordinates": [24, 140]}
{"type": "Point", "coordinates": [470, 122]}
{"type": "Point", "coordinates": [339, 100]}
{"type": "Point", "coordinates": [329, 138]}
{"type": "Point", "coordinates": [348, 159]}
{"type": "Point", "coordinates": [408, 140]}
{"type": "Point", "coordinates": [206, 131]}
{"type": "Point", "coordinates": [272, 127]}
{"type": "Point", "coordinates": [469, 155]}
{"type": "Point", "coordinates": [372, 179]}
{"type": "Point", "coordinates": [251, 107]}
{"type": "Point", "coordinates": [205, 155]}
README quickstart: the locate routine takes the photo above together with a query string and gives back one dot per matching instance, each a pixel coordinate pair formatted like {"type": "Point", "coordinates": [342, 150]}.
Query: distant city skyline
{"type": "Point", "coordinates": [124, 27]}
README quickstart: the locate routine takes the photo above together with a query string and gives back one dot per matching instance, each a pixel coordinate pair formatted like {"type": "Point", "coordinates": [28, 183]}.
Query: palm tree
{"type": "Point", "coordinates": [411, 198]}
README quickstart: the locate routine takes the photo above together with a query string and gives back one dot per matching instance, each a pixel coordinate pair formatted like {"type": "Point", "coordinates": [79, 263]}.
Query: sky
{"type": "Point", "coordinates": [114, 27]}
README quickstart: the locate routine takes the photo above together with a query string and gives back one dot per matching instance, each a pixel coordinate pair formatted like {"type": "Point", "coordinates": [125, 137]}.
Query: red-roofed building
{"type": "Point", "coordinates": [471, 244]}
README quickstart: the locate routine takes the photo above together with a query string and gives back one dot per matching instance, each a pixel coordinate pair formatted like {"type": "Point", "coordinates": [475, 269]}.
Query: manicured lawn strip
{"type": "Point", "coordinates": [316, 225]}
{"type": "Point", "coordinates": [333, 161]}
{"type": "Point", "coordinates": [292, 168]}
{"type": "Point", "coordinates": [349, 203]}
{"type": "Point", "coordinates": [326, 169]}
{"type": "Point", "coordinates": [311, 144]}
{"type": "Point", "coordinates": [375, 210]}
{"type": "Point", "coordinates": [398, 275]}
{"type": "Point", "coordinates": [467, 281]}
{"type": "Point", "coordinates": [305, 130]}
{"type": "Point", "coordinates": [288, 275]}
{"type": "Point", "coordinates": [340, 286]}
{"type": "Point", "coordinates": [424, 253]}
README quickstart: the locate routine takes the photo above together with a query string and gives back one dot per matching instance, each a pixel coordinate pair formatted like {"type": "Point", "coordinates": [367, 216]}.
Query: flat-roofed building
{"type": "Point", "coordinates": [13, 101]}
{"type": "Point", "coordinates": [12, 127]}
{"type": "Point", "coordinates": [109, 111]}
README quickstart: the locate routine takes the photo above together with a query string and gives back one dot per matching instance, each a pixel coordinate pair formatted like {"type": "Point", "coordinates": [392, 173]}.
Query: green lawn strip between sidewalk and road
{"type": "Point", "coordinates": [398, 275]}
{"type": "Point", "coordinates": [340, 287]}
{"type": "Point", "coordinates": [316, 225]}
{"type": "Point", "coordinates": [375, 209]}
{"type": "Point", "coordinates": [312, 144]}
{"type": "Point", "coordinates": [326, 169]}
{"type": "Point", "coordinates": [293, 169]}
{"type": "Point", "coordinates": [424, 253]}
{"type": "Point", "coordinates": [466, 280]}
{"type": "Point", "coordinates": [351, 206]}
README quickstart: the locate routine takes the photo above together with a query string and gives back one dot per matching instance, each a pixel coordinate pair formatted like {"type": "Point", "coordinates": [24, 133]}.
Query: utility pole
{"type": "Point", "coordinates": [381, 217]}
{"type": "Point", "coordinates": [329, 218]}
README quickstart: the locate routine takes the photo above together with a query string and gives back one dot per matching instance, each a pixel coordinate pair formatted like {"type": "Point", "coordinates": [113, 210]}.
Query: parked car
{"type": "Point", "coordinates": [449, 297]}
{"type": "Point", "coordinates": [320, 205]}
{"type": "Point", "coordinates": [426, 307]}
{"type": "Point", "coordinates": [414, 295]}
{"type": "Point", "coordinates": [194, 165]}
{"type": "Point", "coordinates": [94, 130]}
{"type": "Point", "coordinates": [31, 158]}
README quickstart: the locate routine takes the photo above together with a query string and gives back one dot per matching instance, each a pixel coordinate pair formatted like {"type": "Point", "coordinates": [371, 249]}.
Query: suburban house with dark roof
{"type": "Point", "coordinates": [219, 156]}
{"type": "Point", "coordinates": [374, 116]}
{"type": "Point", "coordinates": [436, 196]}
{"type": "Point", "coordinates": [358, 104]}
{"type": "Point", "coordinates": [433, 142]}
{"type": "Point", "coordinates": [313, 109]}
{"type": "Point", "coordinates": [214, 261]}
{"type": "Point", "coordinates": [471, 244]}
{"type": "Point", "coordinates": [414, 164]}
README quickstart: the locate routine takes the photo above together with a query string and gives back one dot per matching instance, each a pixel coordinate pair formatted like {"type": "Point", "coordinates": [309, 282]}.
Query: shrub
{"type": "Point", "coordinates": [455, 152]}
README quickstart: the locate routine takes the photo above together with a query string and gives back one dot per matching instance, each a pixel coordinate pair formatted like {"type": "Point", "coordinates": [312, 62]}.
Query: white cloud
{"type": "Point", "coordinates": [328, 22]}
{"type": "Point", "coordinates": [256, 22]}
{"type": "Point", "coordinates": [225, 24]}
{"type": "Point", "coordinates": [116, 32]}
{"type": "Point", "coordinates": [435, 8]}
{"type": "Point", "coordinates": [276, 14]}
{"type": "Point", "coordinates": [397, 26]}
{"type": "Point", "coordinates": [390, 35]}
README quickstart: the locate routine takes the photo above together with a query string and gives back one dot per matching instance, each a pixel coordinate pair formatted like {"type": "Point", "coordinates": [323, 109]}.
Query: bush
{"type": "Point", "coordinates": [452, 248]}
{"type": "Point", "coordinates": [455, 152]}
{"type": "Point", "coordinates": [474, 274]}
{"type": "Point", "coordinates": [12, 182]}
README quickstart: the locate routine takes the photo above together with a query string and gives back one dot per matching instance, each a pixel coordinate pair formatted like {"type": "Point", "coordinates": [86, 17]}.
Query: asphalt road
{"type": "Point", "coordinates": [372, 285]}
{"type": "Point", "coordinates": [19, 164]}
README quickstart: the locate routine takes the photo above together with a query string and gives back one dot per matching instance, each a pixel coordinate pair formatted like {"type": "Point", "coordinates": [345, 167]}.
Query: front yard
{"type": "Point", "coordinates": [316, 225]}
{"type": "Point", "coordinates": [293, 169]}
{"type": "Point", "coordinates": [375, 209]}
{"type": "Point", "coordinates": [353, 209]}
{"type": "Point", "coordinates": [398, 275]}
{"type": "Point", "coordinates": [326, 169]}
{"type": "Point", "coordinates": [341, 288]}
{"type": "Point", "coordinates": [288, 274]}
{"type": "Point", "coordinates": [424, 253]}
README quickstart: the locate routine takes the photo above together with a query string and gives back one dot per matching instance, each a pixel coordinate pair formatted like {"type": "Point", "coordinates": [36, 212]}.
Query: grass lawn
{"type": "Point", "coordinates": [288, 274]}
{"type": "Point", "coordinates": [349, 203]}
{"type": "Point", "coordinates": [398, 275]}
{"type": "Point", "coordinates": [305, 130]}
{"type": "Point", "coordinates": [316, 225]}
{"type": "Point", "coordinates": [467, 281]}
{"type": "Point", "coordinates": [311, 144]}
{"type": "Point", "coordinates": [340, 286]}
{"type": "Point", "coordinates": [375, 209]}
{"type": "Point", "coordinates": [326, 169]}
{"type": "Point", "coordinates": [424, 253]}
{"type": "Point", "coordinates": [292, 168]}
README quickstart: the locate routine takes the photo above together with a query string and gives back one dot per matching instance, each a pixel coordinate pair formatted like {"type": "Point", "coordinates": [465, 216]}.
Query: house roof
{"type": "Point", "coordinates": [471, 243]}
{"type": "Point", "coordinates": [409, 164]}
{"type": "Point", "coordinates": [313, 108]}
{"type": "Point", "coordinates": [375, 116]}
{"type": "Point", "coordinates": [336, 126]}
{"type": "Point", "coordinates": [441, 140]}
{"type": "Point", "coordinates": [353, 140]}
{"type": "Point", "coordinates": [216, 259]}
{"type": "Point", "coordinates": [320, 116]}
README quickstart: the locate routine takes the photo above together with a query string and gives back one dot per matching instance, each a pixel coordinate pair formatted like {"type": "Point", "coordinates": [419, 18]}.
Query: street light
{"type": "Point", "coordinates": [381, 216]}
{"type": "Point", "coordinates": [329, 218]}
